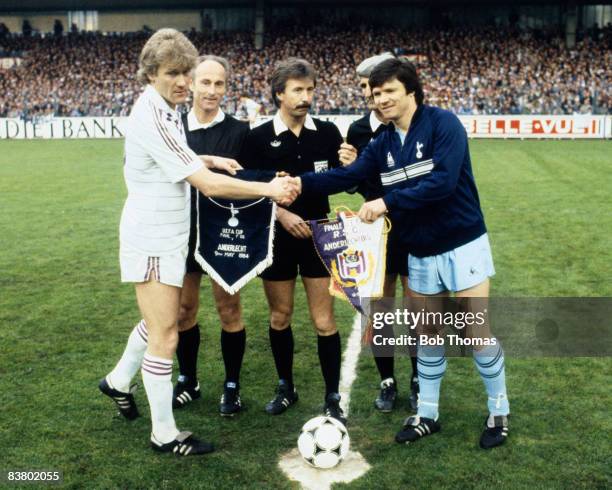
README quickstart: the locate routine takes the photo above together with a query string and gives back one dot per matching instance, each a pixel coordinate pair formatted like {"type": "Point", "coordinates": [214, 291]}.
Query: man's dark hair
{"type": "Point", "coordinates": [291, 68]}
{"type": "Point", "coordinates": [403, 70]}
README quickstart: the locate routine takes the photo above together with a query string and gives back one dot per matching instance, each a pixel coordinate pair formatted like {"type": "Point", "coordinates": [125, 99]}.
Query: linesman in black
{"type": "Point", "coordinates": [209, 131]}
{"type": "Point", "coordinates": [295, 143]}
{"type": "Point", "coordinates": [360, 133]}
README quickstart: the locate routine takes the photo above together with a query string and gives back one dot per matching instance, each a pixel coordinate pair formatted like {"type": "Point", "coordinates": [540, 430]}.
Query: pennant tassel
{"type": "Point", "coordinates": [368, 335]}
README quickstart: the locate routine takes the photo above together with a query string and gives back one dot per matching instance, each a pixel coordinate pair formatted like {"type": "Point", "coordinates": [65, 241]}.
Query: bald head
{"type": "Point", "coordinates": [208, 85]}
{"type": "Point", "coordinates": [212, 57]}
{"type": "Point", "coordinates": [208, 65]}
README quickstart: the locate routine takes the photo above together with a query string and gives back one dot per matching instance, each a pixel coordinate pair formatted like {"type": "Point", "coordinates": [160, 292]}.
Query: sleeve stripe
{"type": "Point", "coordinates": [168, 139]}
{"type": "Point", "coordinates": [169, 143]}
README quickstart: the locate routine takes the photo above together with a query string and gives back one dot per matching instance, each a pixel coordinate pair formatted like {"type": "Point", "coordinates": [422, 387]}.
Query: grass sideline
{"type": "Point", "coordinates": [65, 318]}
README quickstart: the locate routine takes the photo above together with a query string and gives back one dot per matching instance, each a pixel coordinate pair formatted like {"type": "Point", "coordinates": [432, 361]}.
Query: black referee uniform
{"type": "Point", "coordinates": [360, 133]}
{"type": "Point", "coordinates": [224, 139]}
{"type": "Point", "coordinates": [272, 146]}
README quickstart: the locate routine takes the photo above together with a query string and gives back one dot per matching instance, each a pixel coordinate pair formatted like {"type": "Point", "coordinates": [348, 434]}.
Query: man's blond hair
{"type": "Point", "coordinates": [166, 46]}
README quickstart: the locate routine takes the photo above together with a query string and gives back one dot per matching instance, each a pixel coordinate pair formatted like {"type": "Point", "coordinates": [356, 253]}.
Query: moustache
{"type": "Point", "coordinates": [303, 106]}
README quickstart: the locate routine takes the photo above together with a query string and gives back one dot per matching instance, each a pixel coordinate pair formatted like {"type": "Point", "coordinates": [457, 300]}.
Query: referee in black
{"type": "Point", "coordinates": [209, 131]}
{"type": "Point", "coordinates": [296, 143]}
{"type": "Point", "coordinates": [360, 133]}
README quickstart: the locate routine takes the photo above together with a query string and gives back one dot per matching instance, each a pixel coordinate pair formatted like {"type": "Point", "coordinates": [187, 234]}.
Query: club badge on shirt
{"type": "Point", "coordinates": [419, 154]}
{"type": "Point", "coordinates": [275, 143]}
{"type": "Point", "coordinates": [321, 166]}
{"type": "Point", "coordinates": [172, 118]}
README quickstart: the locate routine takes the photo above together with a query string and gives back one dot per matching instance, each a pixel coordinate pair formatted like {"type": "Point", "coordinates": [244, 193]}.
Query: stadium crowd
{"type": "Point", "coordinates": [468, 70]}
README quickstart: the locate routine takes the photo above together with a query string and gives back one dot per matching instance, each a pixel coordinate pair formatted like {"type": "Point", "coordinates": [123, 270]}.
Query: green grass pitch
{"type": "Point", "coordinates": [65, 317]}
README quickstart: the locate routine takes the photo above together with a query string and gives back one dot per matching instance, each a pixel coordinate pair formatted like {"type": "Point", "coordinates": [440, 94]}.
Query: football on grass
{"type": "Point", "coordinates": [323, 442]}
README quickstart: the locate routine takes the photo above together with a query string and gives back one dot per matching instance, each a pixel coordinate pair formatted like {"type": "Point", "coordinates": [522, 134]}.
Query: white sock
{"type": "Point", "coordinates": [120, 377]}
{"type": "Point", "coordinates": [157, 378]}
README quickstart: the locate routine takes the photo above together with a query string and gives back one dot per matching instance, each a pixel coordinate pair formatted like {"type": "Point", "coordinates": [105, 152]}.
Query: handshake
{"type": "Point", "coordinates": [284, 189]}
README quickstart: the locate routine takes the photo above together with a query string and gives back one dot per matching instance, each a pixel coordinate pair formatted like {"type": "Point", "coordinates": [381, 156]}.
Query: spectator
{"type": "Point", "coordinates": [466, 70]}
{"type": "Point", "coordinates": [26, 28]}
{"type": "Point", "coordinates": [4, 31]}
{"type": "Point", "coordinates": [58, 28]}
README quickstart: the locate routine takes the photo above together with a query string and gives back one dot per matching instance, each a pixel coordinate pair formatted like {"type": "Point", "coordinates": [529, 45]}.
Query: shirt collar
{"type": "Point", "coordinates": [374, 121]}
{"type": "Point", "coordinates": [415, 117]}
{"type": "Point", "coordinates": [193, 123]}
{"type": "Point", "coordinates": [281, 127]}
{"type": "Point", "coordinates": [154, 94]}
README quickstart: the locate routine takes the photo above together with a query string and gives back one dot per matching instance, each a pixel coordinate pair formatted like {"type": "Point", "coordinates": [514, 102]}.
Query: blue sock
{"type": "Point", "coordinates": [431, 365]}
{"type": "Point", "coordinates": [490, 364]}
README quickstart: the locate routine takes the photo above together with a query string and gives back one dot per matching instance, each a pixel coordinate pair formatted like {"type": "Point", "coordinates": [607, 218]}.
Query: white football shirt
{"type": "Point", "coordinates": [155, 218]}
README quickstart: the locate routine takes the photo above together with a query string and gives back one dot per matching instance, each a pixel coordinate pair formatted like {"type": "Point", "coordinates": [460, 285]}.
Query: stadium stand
{"type": "Point", "coordinates": [468, 70]}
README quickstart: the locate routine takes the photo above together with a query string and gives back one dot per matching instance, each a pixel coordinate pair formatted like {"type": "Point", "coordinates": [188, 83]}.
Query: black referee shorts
{"type": "Point", "coordinates": [191, 264]}
{"type": "Point", "coordinates": [292, 256]}
{"type": "Point", "coordinates": [397, 258]}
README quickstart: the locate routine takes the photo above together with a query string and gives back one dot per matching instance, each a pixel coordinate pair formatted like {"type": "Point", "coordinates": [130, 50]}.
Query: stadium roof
{"type": "Point", "coordinates": [54, 5]}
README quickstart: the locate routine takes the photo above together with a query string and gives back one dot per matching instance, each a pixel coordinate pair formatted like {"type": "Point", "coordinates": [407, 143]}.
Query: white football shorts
{"type": "Point", "coordinates": [139, 267]}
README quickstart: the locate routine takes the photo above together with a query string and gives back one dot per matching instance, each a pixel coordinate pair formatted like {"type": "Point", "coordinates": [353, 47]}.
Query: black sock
{"type": "Point", "coordinates": [232, 348]}
{"type": "Point", "coordinates": [415, 374]}
{"type": "Point", "coordinates": [384, 356]}
{"type": "Point", "coordinates": [330, 354]}
{"type": "Point", "coordinates": [281, 342]}
{"type": "Point", "coordinates": [386, 367]}
{"type": "Point", "coordinates": [187, 353]}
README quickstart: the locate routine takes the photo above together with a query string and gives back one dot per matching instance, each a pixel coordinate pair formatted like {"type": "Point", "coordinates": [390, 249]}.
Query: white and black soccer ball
{"type": "Point", "coordinates": [323, 442]}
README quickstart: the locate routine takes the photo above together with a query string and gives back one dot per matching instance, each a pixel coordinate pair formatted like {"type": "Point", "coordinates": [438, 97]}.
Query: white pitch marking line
{"type": "Point", "coordinates": [354, 465]}
{"type": "Point", "coordinates": [348, 371]}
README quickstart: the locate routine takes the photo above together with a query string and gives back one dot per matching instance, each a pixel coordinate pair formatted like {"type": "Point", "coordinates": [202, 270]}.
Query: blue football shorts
{"type": "Point", "coordinates": [461, 268]}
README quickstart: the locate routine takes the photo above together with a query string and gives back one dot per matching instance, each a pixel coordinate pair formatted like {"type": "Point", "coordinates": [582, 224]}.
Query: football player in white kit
{"type": "Point", "coordinates": [154, 230]}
